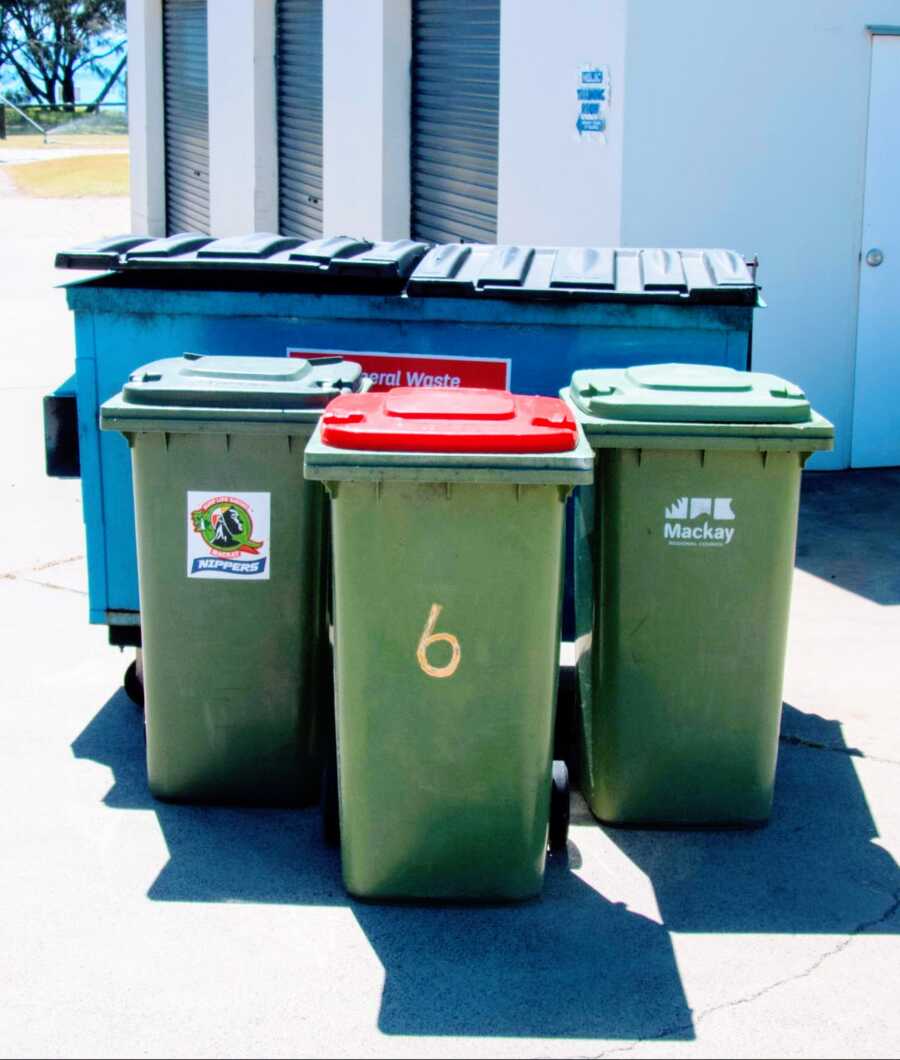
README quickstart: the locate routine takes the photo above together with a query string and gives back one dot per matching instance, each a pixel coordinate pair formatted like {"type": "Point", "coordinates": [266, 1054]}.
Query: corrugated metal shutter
{"type": "Point", "coordinates": [187, 116]}
{"type": "Point", "coordinates": [299, 58]}
{"type": "Point", "coordinates": [455, 119]}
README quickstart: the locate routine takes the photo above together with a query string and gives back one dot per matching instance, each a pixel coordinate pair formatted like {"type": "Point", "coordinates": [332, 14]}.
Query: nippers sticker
{"type": "Point", "coordinates": [228, 535]}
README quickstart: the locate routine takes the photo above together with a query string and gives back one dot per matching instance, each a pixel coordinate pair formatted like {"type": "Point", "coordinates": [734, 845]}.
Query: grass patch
{"type": "Point", "coordinates": [64, 178]}
{"type": "Point", "coordinates": [35, 142]}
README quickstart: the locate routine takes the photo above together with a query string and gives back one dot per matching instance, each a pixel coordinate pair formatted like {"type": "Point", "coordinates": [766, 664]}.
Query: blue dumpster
{"type": "Point", "coordinates": [412, 314]}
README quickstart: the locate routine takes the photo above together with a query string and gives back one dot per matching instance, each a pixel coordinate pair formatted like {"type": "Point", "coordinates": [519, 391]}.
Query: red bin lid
{"type": "Point", "coordinates": [449, 420]}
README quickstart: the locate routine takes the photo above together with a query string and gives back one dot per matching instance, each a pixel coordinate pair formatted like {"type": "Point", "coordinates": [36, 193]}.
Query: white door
{"type": "Point", "coordinates": [876, 402]}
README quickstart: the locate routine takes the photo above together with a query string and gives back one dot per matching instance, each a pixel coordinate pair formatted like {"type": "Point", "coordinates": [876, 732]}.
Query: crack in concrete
{"type": "Point", "coordinates": [853, 752]}
{"type": "Point", "coordinates": [53, 585]}
{"type": "Point", "coordinates": [687, 1027]}
{"type": "Point", "coordinates": [799, 741]}
{"type": "Point", "coordinates": [25, 575]}
{"type": "Point", "coordinates": [23, 572]}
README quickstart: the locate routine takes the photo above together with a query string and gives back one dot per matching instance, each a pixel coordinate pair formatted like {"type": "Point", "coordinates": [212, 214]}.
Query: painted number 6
{"type": "Point", "coordinates": [428, 638]}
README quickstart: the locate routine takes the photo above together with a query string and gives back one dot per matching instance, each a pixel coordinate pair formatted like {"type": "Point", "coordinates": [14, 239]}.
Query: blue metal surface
{"type": "Point", "coordinates": [118, 329]}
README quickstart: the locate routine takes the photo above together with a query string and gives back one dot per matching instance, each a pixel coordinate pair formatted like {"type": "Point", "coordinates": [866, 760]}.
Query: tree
{"type": "Point", "coordinates": [46, 43]}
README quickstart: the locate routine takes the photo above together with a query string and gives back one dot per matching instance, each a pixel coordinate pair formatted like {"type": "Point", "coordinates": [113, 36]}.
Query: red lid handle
{"type": "Point", "coordinates": [449, 403]}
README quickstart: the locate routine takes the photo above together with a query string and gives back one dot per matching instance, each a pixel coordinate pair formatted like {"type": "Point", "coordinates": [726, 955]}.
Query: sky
{"type": "Point", "coordinates": [87, 85]}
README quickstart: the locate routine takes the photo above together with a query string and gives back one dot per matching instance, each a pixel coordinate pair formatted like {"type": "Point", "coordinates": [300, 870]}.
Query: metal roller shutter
{"type": "Point", "coordinates": [299, 59]}
{"type": "Point", "coordinates": [455, 120]}
{"type": "Point", "coordinates": [187, 116]}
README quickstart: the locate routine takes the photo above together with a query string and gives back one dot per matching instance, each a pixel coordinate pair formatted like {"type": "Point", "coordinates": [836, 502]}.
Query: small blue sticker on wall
{"type": "Point", "coordinates": [592, 96]}
{"type": "Point", "coordinates": [590, 125]}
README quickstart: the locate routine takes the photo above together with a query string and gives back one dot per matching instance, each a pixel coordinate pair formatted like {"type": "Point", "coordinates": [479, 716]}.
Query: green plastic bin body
{"type": "Point", "coordinates": [445, 759]}
{"type": "Point", "coordinates": [233, 665]}
{"type": "Point", "coordinates": [684, 552]}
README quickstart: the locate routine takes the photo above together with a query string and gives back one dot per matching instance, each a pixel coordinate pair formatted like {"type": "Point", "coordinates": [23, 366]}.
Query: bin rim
{"type": "Point", "coordinates": [119, 416]}
{"type": "Point", "coordinates": [325, 463]}
{"type": "Point", "coordinates": [814, 435]}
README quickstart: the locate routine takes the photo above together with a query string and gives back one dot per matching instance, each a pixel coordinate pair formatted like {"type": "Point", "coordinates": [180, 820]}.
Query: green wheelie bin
{"type": "Point", "coordinates": [231, 566]}
{"type": "Point", "coordinates": [684, 553]}
{"type": "Point", "coordinates": [447, 532]}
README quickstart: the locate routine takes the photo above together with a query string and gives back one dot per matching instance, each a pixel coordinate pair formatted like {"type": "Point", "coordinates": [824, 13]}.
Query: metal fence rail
{"type": "Point", "coordinates": [4, 103]}
{"type": "Point", "coordinates": [47, 119]}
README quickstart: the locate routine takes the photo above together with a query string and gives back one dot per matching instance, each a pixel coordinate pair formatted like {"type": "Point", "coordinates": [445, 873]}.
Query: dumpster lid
{"type": "Point", "coordinates": [449, 420]}
{"type": "Point", "coordinates": [612, 274]}
{"type": "Point", "coordinates": [167, 247]}
{"type": "Point", "coordinates": [688, 393]}
{"type": "Point", "coordinates": [265, 383]}
{"type": "Point", "coordinates": [257, 259]}
{"type": "Point", "coordinates": [100, 253]}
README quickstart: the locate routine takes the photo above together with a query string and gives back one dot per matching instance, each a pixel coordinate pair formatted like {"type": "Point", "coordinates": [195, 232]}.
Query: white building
{"type": "Point", "coordinates": [767, 127]}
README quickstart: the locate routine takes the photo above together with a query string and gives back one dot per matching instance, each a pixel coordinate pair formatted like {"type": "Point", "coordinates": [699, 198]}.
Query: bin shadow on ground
{"type": "Point", "coordinates": [570, 965]}
{"type": "Point", "coordinates": [816, 868]}
{"type": "Point", "coordinates": [573, 964]}
{"type": "Point", "coordinates": [848, 531]}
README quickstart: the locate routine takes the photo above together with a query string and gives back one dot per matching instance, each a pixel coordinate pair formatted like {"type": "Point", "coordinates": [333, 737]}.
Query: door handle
{"type": "Point", "coordinates": [874, 257]}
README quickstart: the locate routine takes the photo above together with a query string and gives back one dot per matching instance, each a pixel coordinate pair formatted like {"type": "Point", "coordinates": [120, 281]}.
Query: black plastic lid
{"type": "Point", "coordinates": [100, 254]}
{"type": "Point", "coordinates": [617, 274]}
{"type": "Point", "coordinates": [336, 263]}
{"type": "Point", "coordinates": [470, 270]}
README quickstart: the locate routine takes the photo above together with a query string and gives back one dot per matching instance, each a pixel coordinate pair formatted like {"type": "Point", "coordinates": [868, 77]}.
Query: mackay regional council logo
{"type": "Point", "coordinates": [699, 521]}
{"type": "Point", "coordinates": [228, 535]}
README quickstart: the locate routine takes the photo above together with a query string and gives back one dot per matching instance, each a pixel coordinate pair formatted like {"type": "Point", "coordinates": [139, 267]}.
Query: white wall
{"type": "Point", "coordinates": [243, 148]}
{"type": "Point", "coordinates": [730, 125]}
{"type": "Point", "coordinates": [146, 118]}
{"type": "Point", "coordinates": [746, 128]}
{"type": "Point", "coordinates": [366, 90]}
{"type": "Point", "coordinates": [553, 185]}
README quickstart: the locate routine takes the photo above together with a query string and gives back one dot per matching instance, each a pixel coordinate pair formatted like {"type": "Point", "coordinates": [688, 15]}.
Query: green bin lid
{"type": "Point", "coordinates": [226, 389]}
{"type": "Point", "coordinates": [694, 399]}
{"type": "Point", "coordinates": [697, 393]}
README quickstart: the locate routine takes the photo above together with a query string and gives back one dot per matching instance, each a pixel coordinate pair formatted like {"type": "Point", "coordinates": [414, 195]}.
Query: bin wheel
{"type": "Point", "coordinates": [559, 808]}
{"type": "Point", "coordinates": [134, 686]}
{"type": "Point", "coordinates": [331, 821]}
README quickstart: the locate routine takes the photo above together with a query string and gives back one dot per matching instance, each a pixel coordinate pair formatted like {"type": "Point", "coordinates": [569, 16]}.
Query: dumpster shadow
{"type": "Point", "coordinates": [569, 965]}
{"type": "Point", "coordinates": [848, 531]}
{"type": "Point", "coordinates": [814, 869]}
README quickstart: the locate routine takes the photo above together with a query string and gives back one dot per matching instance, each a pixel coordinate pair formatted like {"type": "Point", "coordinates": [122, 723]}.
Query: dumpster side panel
{"type": "Point", "coordinates": [89, 448]}
{"type": "Point", "coordinates": [121, 329]}
{"type": "Point", "coordinates": [247, 728]}
{"type": "Point", "coordinates": [682, 666]}
{"type": "Point", "coordinates": [445, 786]}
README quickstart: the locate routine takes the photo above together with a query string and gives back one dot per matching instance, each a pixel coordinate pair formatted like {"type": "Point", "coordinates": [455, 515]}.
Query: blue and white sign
{"type": "Point", "coordinates": [593, 103]}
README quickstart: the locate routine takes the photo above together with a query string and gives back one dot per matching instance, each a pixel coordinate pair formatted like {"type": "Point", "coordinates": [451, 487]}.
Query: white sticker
{"type": "Point", "coordinates": [228, 535]}
{"type": "Point", "coordinates": [682, 524]}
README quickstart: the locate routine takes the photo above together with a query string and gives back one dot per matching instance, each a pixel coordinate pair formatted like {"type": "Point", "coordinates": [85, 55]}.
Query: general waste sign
{"type": "Point", "coordinates": [387, 370]}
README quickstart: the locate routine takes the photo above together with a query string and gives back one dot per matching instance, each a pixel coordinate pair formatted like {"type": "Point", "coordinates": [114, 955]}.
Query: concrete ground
{"type": "Point", "coordinates": [131, 928]}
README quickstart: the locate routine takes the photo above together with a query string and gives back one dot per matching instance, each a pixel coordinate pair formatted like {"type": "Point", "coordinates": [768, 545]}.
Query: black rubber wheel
{"type": "Point", "coordinates": [331, 820]}
{"type": "Point", "coordinates": [559, 808]}
{"type": "Point", "coordinates": [134, 687]}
